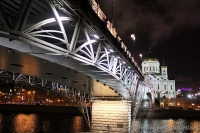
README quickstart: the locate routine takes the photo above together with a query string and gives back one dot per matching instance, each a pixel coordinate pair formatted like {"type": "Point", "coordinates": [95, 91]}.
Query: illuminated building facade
{"type": "Point", "coordinates": [158, 76]}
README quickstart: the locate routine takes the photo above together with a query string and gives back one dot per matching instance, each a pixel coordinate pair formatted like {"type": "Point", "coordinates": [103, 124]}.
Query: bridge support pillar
{"type": "Point", "coordinates": [111, 116]}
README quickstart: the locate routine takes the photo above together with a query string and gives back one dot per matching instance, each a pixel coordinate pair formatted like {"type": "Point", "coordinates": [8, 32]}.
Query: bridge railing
{"type": "Point", "coordinates": [32, 90]}
{"type": "Point", "coordinates": [112, 30]}
{"type": "Point", "coordinates": [103, 17]}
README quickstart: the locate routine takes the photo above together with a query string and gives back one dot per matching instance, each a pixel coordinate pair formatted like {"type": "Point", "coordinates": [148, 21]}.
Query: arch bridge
{"type": "Point", "coordinates": [75, 35]}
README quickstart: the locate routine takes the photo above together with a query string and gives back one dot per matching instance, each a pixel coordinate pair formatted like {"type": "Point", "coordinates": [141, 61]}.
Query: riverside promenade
{"type": "Point", "coordinates": [168, 113]}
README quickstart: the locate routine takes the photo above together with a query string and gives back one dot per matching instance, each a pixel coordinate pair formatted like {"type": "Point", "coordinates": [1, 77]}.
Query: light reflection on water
{"type": "Point", "coordinates": [41, 123]}
{"type": "Point", "coordinates": [25, 123]}
{"type": "Point", "coordinates": [164, 125]}
{"type": "Point", "coordinates": [61, 123]}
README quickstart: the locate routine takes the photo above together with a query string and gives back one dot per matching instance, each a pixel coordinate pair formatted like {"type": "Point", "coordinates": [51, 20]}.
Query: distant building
{"type": "Point", "coordinates": [158, 76]}
{"type": "Point", "coordinates": [188, 93]}
{"type": "Point", "coordinates": [185, 103]}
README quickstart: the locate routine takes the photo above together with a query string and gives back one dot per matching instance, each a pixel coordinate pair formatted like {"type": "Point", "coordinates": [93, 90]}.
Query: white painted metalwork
{"type": "Point", "coordinates": [69, 31]}
{"type": "Point", "coordinates": [77, 39]}
{"type": "Point", "coordinates": [37, 82]}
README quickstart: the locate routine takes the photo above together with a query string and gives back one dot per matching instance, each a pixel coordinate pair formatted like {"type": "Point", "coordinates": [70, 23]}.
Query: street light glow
{"type": "Point", "coordinates": [140, 55]}
{"type": "Point", "coordinates": [133, 37]}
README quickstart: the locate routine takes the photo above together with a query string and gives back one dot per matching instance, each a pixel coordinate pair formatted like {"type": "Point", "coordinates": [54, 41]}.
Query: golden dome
{"type": "Point", "coordinates": [150, 56]}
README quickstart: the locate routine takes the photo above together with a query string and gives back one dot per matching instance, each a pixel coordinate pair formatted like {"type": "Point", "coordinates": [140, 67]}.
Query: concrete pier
{"type": "Point", "coordinates": [111, 116]}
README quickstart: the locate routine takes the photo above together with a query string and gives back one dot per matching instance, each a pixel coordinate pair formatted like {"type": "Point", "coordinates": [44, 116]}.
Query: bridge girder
{"type": "Point", "coordinates": [62, 33]}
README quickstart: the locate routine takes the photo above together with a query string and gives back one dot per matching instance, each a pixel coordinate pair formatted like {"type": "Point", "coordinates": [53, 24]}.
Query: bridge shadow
{"type": "Point", "coordinates": [145, 108]}
{"type": "Point", "coordinates": [142, 113]}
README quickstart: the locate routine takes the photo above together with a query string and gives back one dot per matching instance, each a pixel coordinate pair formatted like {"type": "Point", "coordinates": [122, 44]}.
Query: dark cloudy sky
{"type": "Point", "coordinates": [171, 27]}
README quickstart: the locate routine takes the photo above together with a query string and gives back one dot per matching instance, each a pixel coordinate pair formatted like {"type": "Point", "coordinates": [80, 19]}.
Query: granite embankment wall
{"type": "Point", "coordinates": [39, 109]}
{"type": "Point", "coordinates": [111, 116]}
{"type": "Point", "coordinates": [168, 113]}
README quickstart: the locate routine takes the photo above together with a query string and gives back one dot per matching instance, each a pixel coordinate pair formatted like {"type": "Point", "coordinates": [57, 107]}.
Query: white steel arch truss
{"type": "Point", "coordinates": [67, 33]}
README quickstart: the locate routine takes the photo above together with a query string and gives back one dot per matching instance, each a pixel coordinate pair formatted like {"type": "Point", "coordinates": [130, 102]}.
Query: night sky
{"type": "Point", "coordinates": [170, 27]}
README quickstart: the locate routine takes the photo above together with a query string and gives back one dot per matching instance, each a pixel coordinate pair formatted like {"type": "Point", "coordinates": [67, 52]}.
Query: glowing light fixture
{"type": "Point", "coordinates": [96, 36]}
{"type": "Point", "coordinates": [140, 55]}
{"type": "Point", "coordinates": [133, 37]}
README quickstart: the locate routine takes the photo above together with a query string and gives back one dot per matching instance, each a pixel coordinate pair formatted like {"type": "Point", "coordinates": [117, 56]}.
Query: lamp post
{"type": "Point", "coordinates": [169, 102]}
{"type": "Point", "coordinates": [133, 38]}
{"type": "Point", "coordinates": [33, 98]}
{"type": "Point", "coordinates": [29, 96]}
{"type": "Point", "coordinates": [112, 13]}
{"type": "Point", "coordinates": [140, 56]}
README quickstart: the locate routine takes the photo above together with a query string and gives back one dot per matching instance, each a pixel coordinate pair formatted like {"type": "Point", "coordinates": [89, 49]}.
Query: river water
{"type": "Point", "coordinates": [41, 123]}
{"type": "Point", "coordinates": [61, 123]}
{"type": "Point", "coordinates": [166, 125]}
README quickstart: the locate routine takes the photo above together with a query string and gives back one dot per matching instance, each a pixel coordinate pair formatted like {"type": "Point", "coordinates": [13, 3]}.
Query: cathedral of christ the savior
{"type": "Point", "coordinates": [158, 77]}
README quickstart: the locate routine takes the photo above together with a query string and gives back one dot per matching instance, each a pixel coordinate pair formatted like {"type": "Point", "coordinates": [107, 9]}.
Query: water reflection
{"type": "Point", "coordinates": [77, 122]}
{"type": "Point", "coordinates": [195, 125]}
{"type": "Point", "coordinates": [61, 123]}
{"type": "Point", "coordinates": [46, 124]}
{"type": "Point", "coordinates": [1, 124]}
{"type": "Point", "coordinates": [166, 126]}
{"type": "Point", "coordinates": [25, 123]}
{"type": "Point", "coordinates": [42, 123]}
